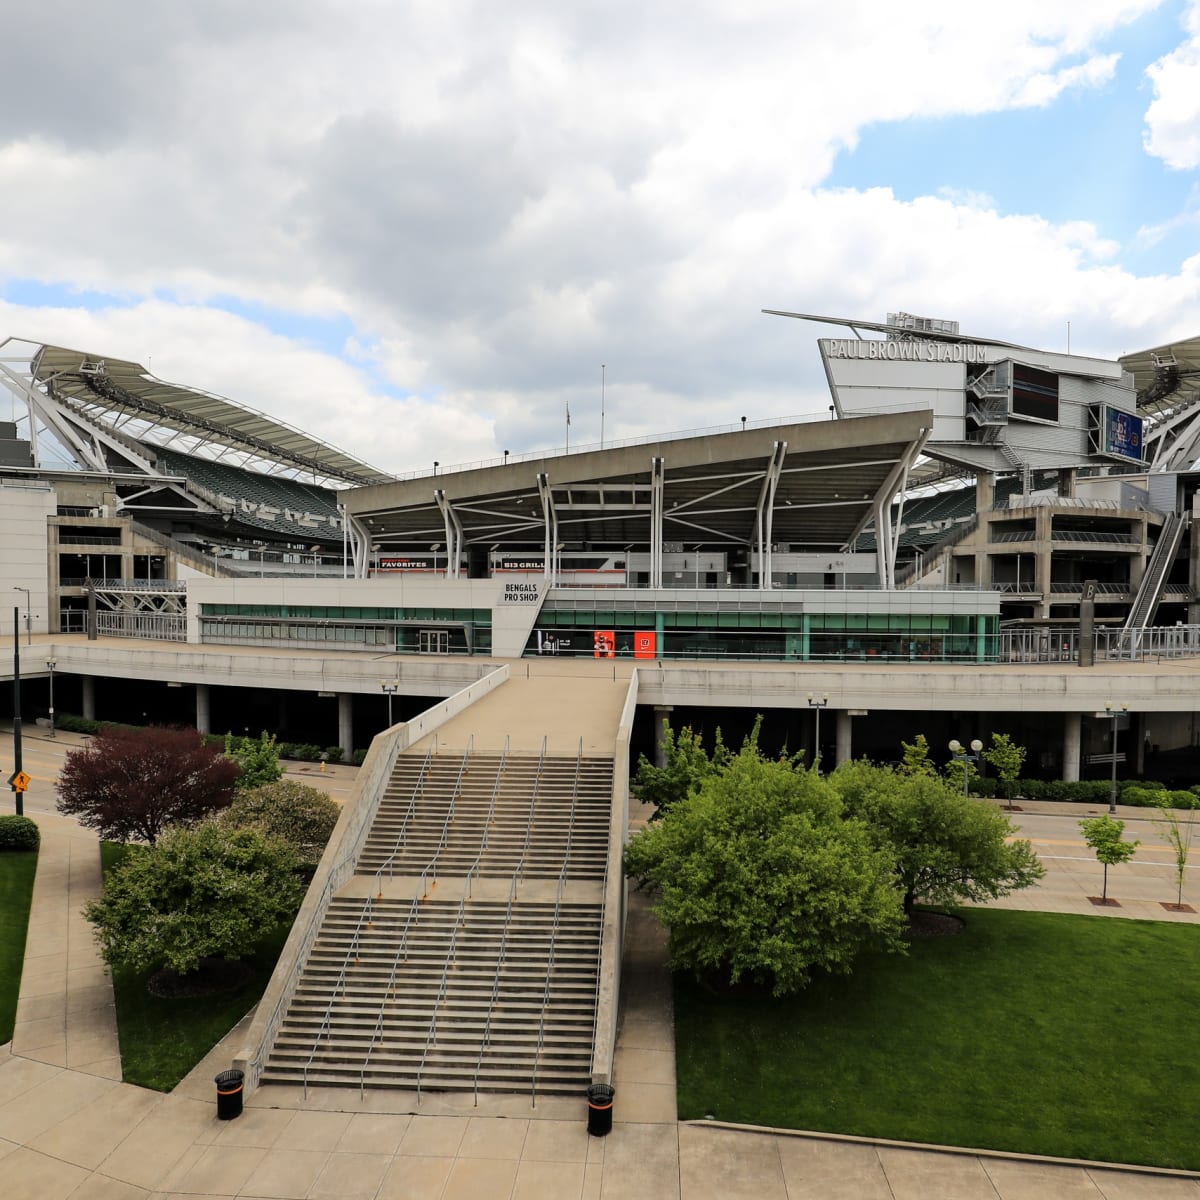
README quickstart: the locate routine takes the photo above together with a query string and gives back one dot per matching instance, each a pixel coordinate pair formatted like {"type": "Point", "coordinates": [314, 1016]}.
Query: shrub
{"type": "Point", "coordinates": [300, 815]}
{"type": "Point", "coordinates": [358, 758]}
{"type": "Point", "coordinates": [19, 833]}
{"type": "Point", "coordinates": [306, 752]}
{"type": "Point", "coordinates": [333, 753]}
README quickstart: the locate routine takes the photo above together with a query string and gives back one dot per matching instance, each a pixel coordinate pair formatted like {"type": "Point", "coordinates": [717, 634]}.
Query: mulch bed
{"type": "Point", "coordinates": [1101, 902]}
{"type": "Point", "coordinates": [924, 924]}
{"type": "Point", "coordinates": [214, 977]}
{"type": "Point", "coordinates": [1171, 907]}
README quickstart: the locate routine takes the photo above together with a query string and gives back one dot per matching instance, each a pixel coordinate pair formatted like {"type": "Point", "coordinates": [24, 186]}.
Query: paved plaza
{"type": "Point", "coordinates": [70, 1128]}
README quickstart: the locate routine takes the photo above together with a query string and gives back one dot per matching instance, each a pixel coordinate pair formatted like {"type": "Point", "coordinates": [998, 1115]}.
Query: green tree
{"type": "Point", "coordinates": [1007, 759]}
{"type": "Point", "coordinates": [947, 848]}
{"type": "Point", "coordinates": [687, 764]}
{"type": "Point", "coordinates": [207, 892]}
{"type": "Point", "coordinates": [1103, 835]}
{"type": "Point", "coordinates": [300, 815]}
{"type": "Point", "coordinates": [1179, 838]}
{"type": "Point", "coordinates": [757, 875]}
{"type": "Point", "coordinates": [916, 760]}
{"type": "Point", "coordinates": [257, 759]}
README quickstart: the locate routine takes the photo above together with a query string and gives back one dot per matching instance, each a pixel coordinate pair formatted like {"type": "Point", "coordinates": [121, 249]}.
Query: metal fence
{"type": "Point", "coordinates": [161, 627]}
{"type": "Point", "coordinates": [1061, 645]}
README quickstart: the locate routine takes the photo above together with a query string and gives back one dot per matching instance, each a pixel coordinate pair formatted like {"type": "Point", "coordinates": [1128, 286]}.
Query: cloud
{"type": "Point", "coordinates": [1173, 118]}
{"type": "Point", "coordinates": [495, 199]}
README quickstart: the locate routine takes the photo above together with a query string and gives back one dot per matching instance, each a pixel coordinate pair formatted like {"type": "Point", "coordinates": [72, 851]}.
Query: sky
{"type": "Point", "coordinates": [422, 231]}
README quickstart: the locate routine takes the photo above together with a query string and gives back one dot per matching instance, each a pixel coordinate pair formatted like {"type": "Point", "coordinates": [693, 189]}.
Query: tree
{"type": "Point", "coordinates": [130, 784]}
{"type": "Point", "coordinates": [756, 874]}
{"type": "Point", "coordinates": [258, 760]}
{"type": "Point", "coordinates": [300, 815]}
{"type": "Point", "coordinates": [1179, 838]}
{"type": "Point", "coordinates": [1007, 759]}
{"type": "Point", "coordinates": [687, 764]}
{"type": "Point", "coordinates": [1103, 835]}
{"type": "Point", "coordinates": [916, 759]}
{"type": "Point", "coordinates": [947, 848]}
{"type": "Point", "coordinates": [207, 892]}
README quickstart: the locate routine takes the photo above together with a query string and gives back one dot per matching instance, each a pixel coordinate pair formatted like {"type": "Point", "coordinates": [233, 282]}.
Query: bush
{"type": "Point", "coordinates": [333, 753]}
{"type": "Point", "coordinates": [19, 833]}
{"type": "Point", "coordinates": [307, 752]}
{"type": "Point", "coordinates": [358, 758]}
{"type": "Point", "coordinates": [300, 815]}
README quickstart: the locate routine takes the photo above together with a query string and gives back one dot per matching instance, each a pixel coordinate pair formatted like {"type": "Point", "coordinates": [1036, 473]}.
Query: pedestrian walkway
{"type": "Point", "coordinates": [69, 1128]}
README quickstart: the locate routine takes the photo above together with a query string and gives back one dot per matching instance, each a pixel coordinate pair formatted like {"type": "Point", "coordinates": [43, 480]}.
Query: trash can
{"type": "Point", "coordinates": [600, 1108]}
{"type": "Point", "coordinates": [229, 1095]}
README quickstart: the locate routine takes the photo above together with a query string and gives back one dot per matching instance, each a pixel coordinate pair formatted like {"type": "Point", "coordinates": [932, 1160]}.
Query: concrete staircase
{"type": "Point", "coordinates": [464, 953]}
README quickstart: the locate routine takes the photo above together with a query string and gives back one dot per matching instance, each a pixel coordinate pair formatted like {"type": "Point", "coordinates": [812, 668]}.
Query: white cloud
{"type": "Point", "coordinates": [498, 198]}
{"type": "Point", "coordinates": [1173, 118]}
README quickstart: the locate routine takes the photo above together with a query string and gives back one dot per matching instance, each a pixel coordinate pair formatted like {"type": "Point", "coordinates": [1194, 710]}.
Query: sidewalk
{"type": "Point", "coordinates": [69, 1128]}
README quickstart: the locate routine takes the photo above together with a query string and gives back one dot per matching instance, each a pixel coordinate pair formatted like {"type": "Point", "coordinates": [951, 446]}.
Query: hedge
{"type": "Point", "coordinates": [19, 833]}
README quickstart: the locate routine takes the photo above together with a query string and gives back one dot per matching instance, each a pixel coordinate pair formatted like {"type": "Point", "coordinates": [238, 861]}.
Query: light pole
{"type": "Point", "coordinates": [391, 689]}
{"type": "Point", "coordinates": [816, 703]}
{"type": "Point", "coordinates": [51, 664]}
{"type": "Point", "coordinates": [28, 615]}
{"type": "Point", "coordinates": [962, 755]}
{"type": "Point", "coordinates": [1111, 710]}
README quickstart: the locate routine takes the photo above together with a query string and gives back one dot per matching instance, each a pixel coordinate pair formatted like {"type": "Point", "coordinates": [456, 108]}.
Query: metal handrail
{"type": "Point", "coordinates": [491, 812]}
{"type": "Point", "coordinates": [500, 961]}
{"type": "Point", "coordinates": [441, 995]}
{"type": "Point", "coordinates": [519, 872]}
{"type": "Point", "coordinates": [562, 879]}
{"type": "Point", "coordinates": [418, 787]}
{"type": "Point", "coordinates": [389, 989]}
{"type": "Point", "coordinates": [431, 866]}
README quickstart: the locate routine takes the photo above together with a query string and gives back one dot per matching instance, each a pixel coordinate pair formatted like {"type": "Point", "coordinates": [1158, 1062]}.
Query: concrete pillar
{"type": "Point", "coordinates": [844, 752]}
{"type": "Point", "coordinates": [203, 717]}
{"type": "Point", "coordinates": [1072, 724]}
{"type": "Point", "coordinates": [1139, 735]}
{"type": "Point", "coordinates": [89, 697]}
{"type": "Point", "coordinates": [346, 724]}
{"type": "Point", "coordinates": [662, 712]}
{"type": "Point", "coordinates": [985, 491]}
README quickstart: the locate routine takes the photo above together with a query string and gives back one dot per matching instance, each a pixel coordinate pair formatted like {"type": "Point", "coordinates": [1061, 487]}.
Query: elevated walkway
{"type": "Point", "coordinates": [472, 942]}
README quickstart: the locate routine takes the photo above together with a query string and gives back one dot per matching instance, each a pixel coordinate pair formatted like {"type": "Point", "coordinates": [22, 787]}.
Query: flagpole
{"type": "Point", "coordinates": [601, 406]}
{"type": "Point", "coordinates": [568, 444]}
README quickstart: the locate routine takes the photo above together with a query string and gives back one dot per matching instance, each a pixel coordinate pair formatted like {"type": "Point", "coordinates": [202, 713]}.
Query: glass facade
{"type": "Point", "coordinates": [402, 630]}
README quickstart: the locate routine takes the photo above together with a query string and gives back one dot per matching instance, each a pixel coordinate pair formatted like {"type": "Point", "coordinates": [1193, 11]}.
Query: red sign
{"type": "Point", "coordinates": [604, 644]}
{"type": "Point", "coordinates": [645, 645]}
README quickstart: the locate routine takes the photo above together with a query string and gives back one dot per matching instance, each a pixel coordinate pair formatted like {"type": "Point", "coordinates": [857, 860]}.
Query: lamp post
{"type": "Point", "coordinates": [1115, 713]}
{"type": "Point", "coordinates": [50, 665]}
{"type": "Point", "coordinates": [390, 688]}
{"type": "Point", "coordinates": [18, 762]}
{"type": "Point", "coordinates": [961, 754]}
{"type": "Point", "coordinates": [816, 703]}
{"type": "Point", "coordinates": [28, 615]}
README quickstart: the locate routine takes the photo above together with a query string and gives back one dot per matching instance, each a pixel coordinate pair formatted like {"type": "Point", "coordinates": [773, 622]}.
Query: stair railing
{"type": "Point", "coordinates": [500, 961]}
{"type": "Point", "coordinates": [401, 957]}
{"type": "Point", "coordinates": [537, 1052]}
{"type": "Point", "coordinates": [487, 824]}
{"type": "Point", "coordinates": [431, 866]}
{"type": "Point", "coordinates": [441, 993]}
{"type": "Point", "coordinates": [519, 873]}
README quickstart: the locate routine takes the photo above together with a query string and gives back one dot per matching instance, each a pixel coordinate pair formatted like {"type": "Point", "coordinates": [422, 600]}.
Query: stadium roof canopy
{"type": "Point", "coordinates": [124, 396]}
{"type": "Point", "coordinates": [1162, 371]}
{"type": "Point", "coordinates": [821, 482]}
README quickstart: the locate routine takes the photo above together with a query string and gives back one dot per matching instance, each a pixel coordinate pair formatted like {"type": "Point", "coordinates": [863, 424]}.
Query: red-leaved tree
{"type": "Point", "coordinates": [131, 784]}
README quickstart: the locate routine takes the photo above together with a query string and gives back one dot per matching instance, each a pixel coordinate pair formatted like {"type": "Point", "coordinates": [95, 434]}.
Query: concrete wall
{"type": "Point", "coordinates": [24, 557]}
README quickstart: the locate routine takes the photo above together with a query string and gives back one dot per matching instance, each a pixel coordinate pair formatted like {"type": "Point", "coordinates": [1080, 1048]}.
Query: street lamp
{"type": "Point", "coordinates": [816, 703]}
{"type": "Point", "coordinates": [391, 688]}
{"type": "Point", "coordinates": [28, 615]}
{"type": "Point", "coordinates": [51, 664]}
{"type": "Point", "coordinates": [961, 755]}
{"type": "Point", "coordinates": [1111, 710]}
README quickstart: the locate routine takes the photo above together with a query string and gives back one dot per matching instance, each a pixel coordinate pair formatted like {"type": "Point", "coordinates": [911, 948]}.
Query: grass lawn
{"type": "Point", "coordinates": [17, 869]}
{"type": "Point", "coordinates": [1038, 1032]}
{"type": "Point", "coordinates": [162, 1040]}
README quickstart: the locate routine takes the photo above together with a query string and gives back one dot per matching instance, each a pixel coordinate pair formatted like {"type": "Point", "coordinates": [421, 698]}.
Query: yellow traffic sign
{"type": "Point", "coordinates": [20, 781]}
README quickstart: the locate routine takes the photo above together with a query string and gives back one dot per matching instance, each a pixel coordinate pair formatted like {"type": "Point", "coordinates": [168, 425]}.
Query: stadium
{"type": "Point", "coordinates": [975, 537]}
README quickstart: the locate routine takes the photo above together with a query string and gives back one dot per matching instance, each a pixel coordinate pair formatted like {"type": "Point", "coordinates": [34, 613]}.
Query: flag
{"type": "Point", "coordinates": [568, 413]}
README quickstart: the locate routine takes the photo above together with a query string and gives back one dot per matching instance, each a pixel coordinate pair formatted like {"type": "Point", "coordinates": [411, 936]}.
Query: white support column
{"type": "Point", "coordinates": [550, 529]}
{"type": "Point", "coordinates": [346, 724]}
{"type": "Point", "coordinates": [360, 546]}
{"type": "Point", "coordinates": [765, 515]}
{"type": "Point", "coordinates": [662, 713]}
{"type": "Point", "coordinates": [883, 539]}
{"type": "Point", "coordinates": [657, 480]}
{"type": "Point", "coordinates": [453, 529]}
{"type": "Point", "coordinates": [203, 714]}
{"type": "Point", "coordinates": [1071, 746]}
{"type": "Point", "coordinates": [844, 724]}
